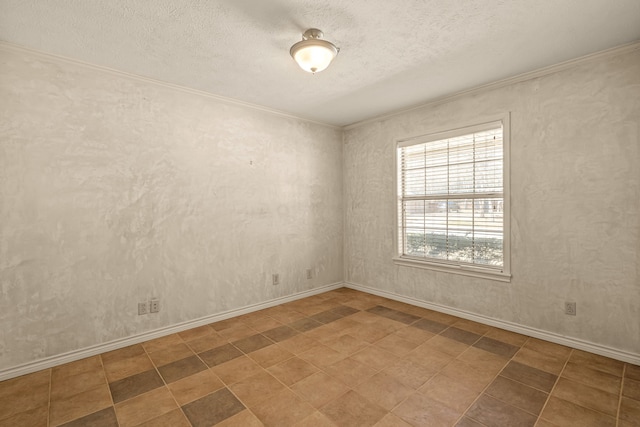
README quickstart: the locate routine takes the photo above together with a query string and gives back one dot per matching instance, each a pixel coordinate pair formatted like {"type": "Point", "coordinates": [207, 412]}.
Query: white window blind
{"type": "Point", "coordinates": [451, 200]}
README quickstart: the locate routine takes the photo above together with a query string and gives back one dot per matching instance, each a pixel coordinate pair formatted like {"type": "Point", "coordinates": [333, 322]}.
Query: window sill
{"type": "Point", "coordinates": [464, 270]}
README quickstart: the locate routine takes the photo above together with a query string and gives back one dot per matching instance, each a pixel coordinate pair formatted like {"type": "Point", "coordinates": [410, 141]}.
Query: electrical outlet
{"type": "Point", "coordinates": [154, 305]}
{"type": "Point", "coordinates": [143, 308]}
{"type": "Point", "coordinates": [570, 308]}
{"type": "Point", "coordinates": [276, 279]}
{"type": "Point", "coordinates": [309, 273]}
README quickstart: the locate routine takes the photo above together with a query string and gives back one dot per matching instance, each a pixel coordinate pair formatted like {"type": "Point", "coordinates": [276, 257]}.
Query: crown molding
{"type": "Point", "coordinates": [6, 46]}
{"type": "Point", "coordinates": [530, 75]}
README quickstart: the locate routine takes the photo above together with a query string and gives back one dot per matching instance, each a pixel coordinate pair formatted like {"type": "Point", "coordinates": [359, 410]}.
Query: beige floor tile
{"type": "Point", "coordinates": [322, 356]}
{"type": "Point", "coordinates": [418, 336]}
{"type": "Point", "coordinates": [563, 413]}
{"type": "Point", "coordinates": [397, 345]}
{"type": "Point", "coordinates": [496, 347]}
{"type": "Point", "coordinates": [359, 304]}
{"type": "Point", "coordinates": [62, 387]}
{"type": "Point", "coordinates": [282, 409]}
{"type": "Point", "coordinates": [219, 355]}
{"type": "Point", "coordinates": [586, 396]}
{"type": "Point", "coordinates": [353, 410]}
{"type": "Point", "coordinates": [162, 342]}
{"type": "Point", "coordinates": [195, 386]}
{"type": "Point", "coordinates": [324, 333]}
{"type": "Point", "coordinates": [530, 376]}
{"type": "Point", "coordinates": [597, 362]}
{"type": "Point", "coordinates": [507, 336]}
{"type": "Point", "coordinates": [234, 321]}
{"type": "Point", "coordinates": [483, 360]}
{"type": "Point", "coordinates": [630, 411]}
{"type": "Point", "coordinates": [442, 318]}
{"type": "Point", "coordinates": [262, 324]}
{"type": "Point", "coordinates": [145, 407]}
{"type": "Point", "coordinates": [592, 377]}
{"type": "Point", "coordinates": [391, 420]}
{"type": "Point", "coordinates": [420, 410]}
{"type": "Point", "coordinates": [319, 388]}
{"type": "Point", "coordinates": [174, 418]}
{"type": "Point", "coordinates": [24, 393]}
{"type": "Point", "coordinates": [468, 375]}
{"type": "Point", "coordinates": [195, 333]}
{"type": "Point", "coordinates": [517, 394]}
{"type": "Point", "coordinates": [544, 362]}
{"type": "Point", "coordinates": [449, 392]}
{"type": "Point", "coordinates": [271, 355]}
{"type": "Point", "coordinates": [236, 370]}
{"type": "Point", "coordinates": [89, 364]}
{"type": "Point", "coordinates": [543, 423]}
{"type": "Point", "coordinates": [206, 342]}
{"type": "Point", "coordinates": [410, 373]}
{"type": "Point", "coordinates": [429, 356]}
{"type": "Point", "coordinates": [375, 357]}
{"type": "Point", "coordinates": [345, 344]}
{"type": "Point", "coordinates": [84, 403]}
{"type": "Point", "coordinates": [371, 333]}
{"type": "Point", "coordinates": [471, 326]}
{"type": "Point", "coordinates": [213, 408]}
{"type": "Point", "coordinates": [490, 411]}
{"type": "Point", "coordinates": [242, 419]}
{"type": "Point", "coordinates": [122, 353]}
{"type": "Point", "coordinates": [287, 316]}
{"type": "Point", "coordinates": [298, 344]}
{"type": "Point", "coordinates": [256, 389]}
{"type": "Point", "coordinates": [632, 371]}
{"type": "Point", "coordinates": [315, 420]}
{"type": "Point", "coordinates": [170, 354]}
{"type": "Point", "coordinates": [292, 370]}
{"type": "Point", "coordinates": [445, 345]}
{"type": "Point", "coordinates": [350, 372]}
{"type": "Point", "coordinates": [237, 332]}
{"type": "Point", "coordinates": [631, 389]}
{"type": "Point", "coordinates": [365, 318]}
{"type": "Point", "coordinates": [384, 390]}
{"type": "Point", "coordinates": [37, 417]}
{"type": "Point", "coordinates": [125, 367]}
{"type": "Point", "coordinates": [546, 347]}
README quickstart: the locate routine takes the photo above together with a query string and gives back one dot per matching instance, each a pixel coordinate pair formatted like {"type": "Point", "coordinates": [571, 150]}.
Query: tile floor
{"type": "Point", "coordinates": [342, 358]}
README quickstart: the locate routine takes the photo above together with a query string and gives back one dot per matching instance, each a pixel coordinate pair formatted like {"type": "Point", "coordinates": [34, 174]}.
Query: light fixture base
{"type": "Point", "coordinates": [312, 33]}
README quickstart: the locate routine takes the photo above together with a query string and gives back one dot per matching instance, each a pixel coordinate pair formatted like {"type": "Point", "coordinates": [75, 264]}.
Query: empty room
{"type": "Point", "coordinates": [331, 213]}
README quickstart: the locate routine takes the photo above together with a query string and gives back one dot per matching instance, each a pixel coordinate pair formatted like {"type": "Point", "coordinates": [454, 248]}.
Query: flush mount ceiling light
{"type": "Point", "coordinates": [312, 53]}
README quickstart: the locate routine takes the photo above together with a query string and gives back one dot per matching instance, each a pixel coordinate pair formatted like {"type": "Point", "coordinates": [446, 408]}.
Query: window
{"type": "Point", "coordinates": [453, 205]}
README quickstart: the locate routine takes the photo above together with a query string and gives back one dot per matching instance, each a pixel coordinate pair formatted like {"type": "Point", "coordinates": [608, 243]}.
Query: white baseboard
{"type": "Point", "coordinates": [72, 356]}
{"type": "Point", "coordinates": [50, 362]}
{"type": "Point", "coordinates": [576, 343]}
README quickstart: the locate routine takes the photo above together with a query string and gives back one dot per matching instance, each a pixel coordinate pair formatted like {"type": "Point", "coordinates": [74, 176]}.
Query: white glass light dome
{"type": "Point", "coordinates": [312, 53]}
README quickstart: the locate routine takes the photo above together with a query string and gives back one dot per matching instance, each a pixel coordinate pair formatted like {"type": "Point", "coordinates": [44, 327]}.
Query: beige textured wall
{"type": "Point", "coordinates": [575, 203]}
{"type": "Point", "coordinates": [114, 190]}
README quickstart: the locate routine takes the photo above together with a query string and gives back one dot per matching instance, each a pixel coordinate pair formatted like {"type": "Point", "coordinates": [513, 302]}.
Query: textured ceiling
{"type": "Point", "coordinates": [394, 53]}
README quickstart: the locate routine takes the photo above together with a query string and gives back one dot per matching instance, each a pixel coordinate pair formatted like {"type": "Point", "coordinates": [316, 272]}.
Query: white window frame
{"type": "Point", "coordinates": [503, 274]}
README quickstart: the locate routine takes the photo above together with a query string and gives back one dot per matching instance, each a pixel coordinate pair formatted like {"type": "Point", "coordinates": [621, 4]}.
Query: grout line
{"type": "Point", "coordinates": [106, 380]}
{"type": "Point", "coordinates": [555, 383]}
{"type": "Point", "coordinates": [487, 386]}
{"type": "Point", "coordinates": [624, 372]}
{"type": "Point", "coordinates": [162, 378]}
{"type": "Point", "coordinates": [49, 402]}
